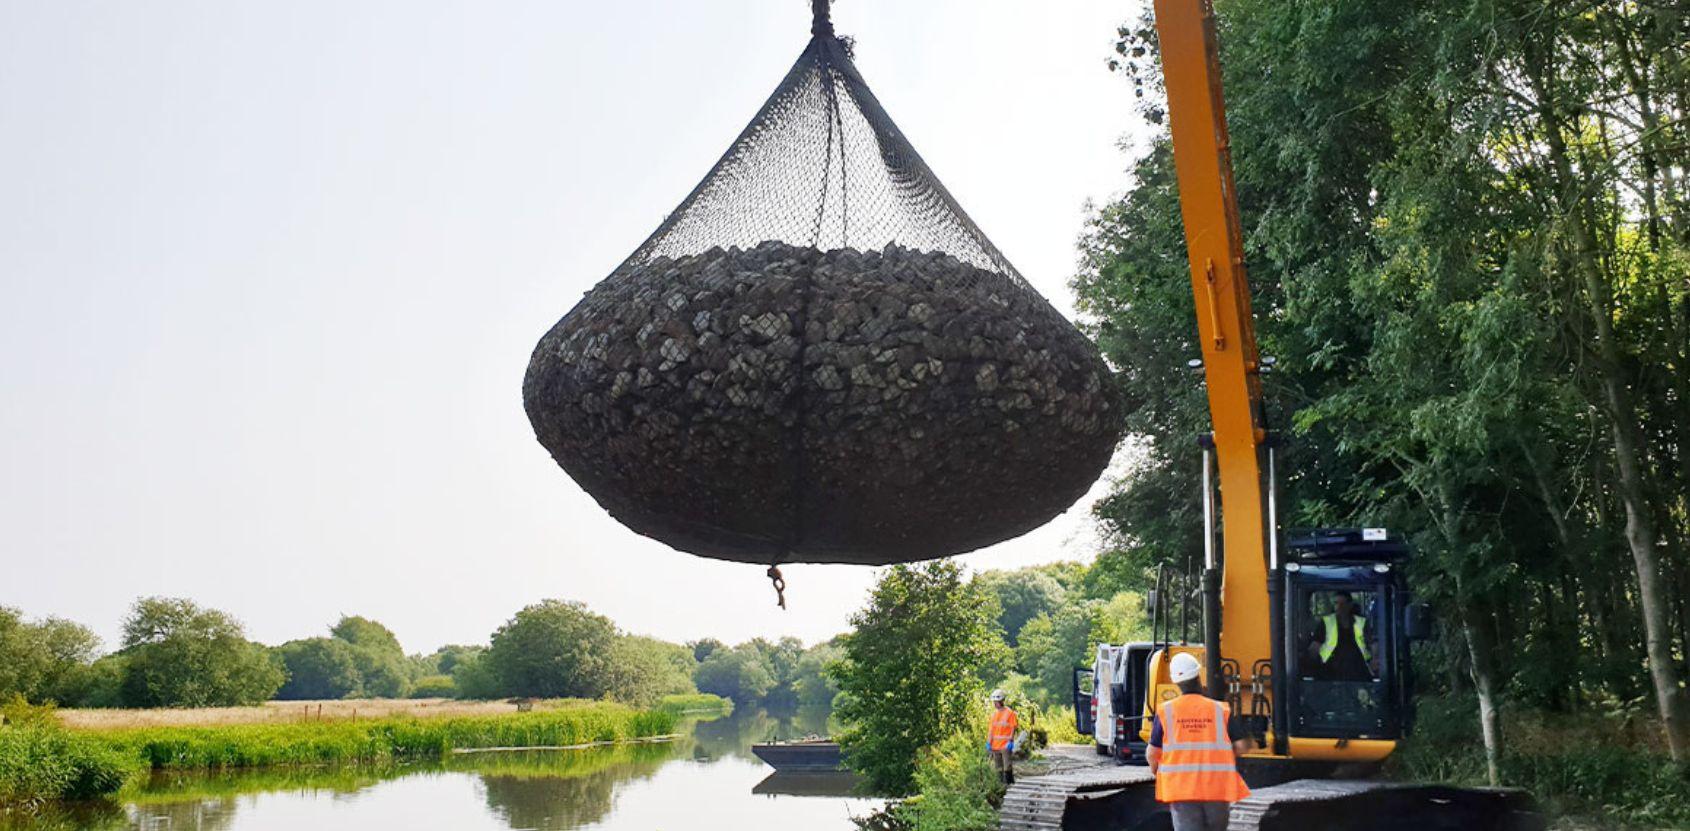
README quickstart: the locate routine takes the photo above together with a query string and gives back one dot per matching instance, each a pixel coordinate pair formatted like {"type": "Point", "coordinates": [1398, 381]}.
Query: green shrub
{"type": "Point", "coordinates": [40, 762]}
{"type": "Point", "coordinates": [956, 788]}
{"type": "Point", "coordinates": [434, 686]}
{"type": "Point", "coordinates": [1058, 723]}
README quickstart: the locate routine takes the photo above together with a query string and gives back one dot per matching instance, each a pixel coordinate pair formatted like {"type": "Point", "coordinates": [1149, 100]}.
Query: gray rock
{"type": "Point", "coordinates": [784, 403]}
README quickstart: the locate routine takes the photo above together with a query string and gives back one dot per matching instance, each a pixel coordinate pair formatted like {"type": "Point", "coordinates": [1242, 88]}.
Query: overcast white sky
{"type": "Point", "coordinates": [271, 274]}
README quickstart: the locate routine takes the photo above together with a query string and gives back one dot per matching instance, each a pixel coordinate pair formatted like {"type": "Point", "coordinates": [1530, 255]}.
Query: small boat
{"type": "Point", "coordinates": [806, 755]}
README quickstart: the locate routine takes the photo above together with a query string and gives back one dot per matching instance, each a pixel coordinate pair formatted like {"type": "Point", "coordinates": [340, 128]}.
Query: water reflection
{"type": "Point", "coordinates": [733, 735]}
{"type": "Point", "coordinates": [550, 789]}
{"type": "Point", "coordinates": [706, 779]}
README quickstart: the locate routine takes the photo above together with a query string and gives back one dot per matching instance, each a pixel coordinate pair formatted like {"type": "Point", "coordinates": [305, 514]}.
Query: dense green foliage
{"type": "Point", "coordinates": [434, 686]}
{"type": "Point", "coordinates": [646, 670]}
{"type": "Point", "coordinates": [1469, 249]}
{"type": "Point", "coordinates": [1021, 596]}
{"type": "Point", "coordinates": [177, 654]}
{"type": "Point", "coordinates": [319, 668]}
{"type": "Point", "coordinates": [780, 674]}
{"type": "Point", "coordinates": [383, 669]}
{"type": "Point", "coordinates": [742, 674]}
{"type": "Point", "coordinates": [957, 789]}
{"type": "Point", "coordinates": [912, 671]}
{"type": "Point", "coordinates": [45, 660]}
{"type": "Point", "coordinates": [553, 649]}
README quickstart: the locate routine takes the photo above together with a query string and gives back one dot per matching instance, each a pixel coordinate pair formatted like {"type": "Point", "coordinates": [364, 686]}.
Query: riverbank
{"type": "Point", "coordinates": [627, 787]}
{"type": "Point", "coordinates": [282, 712]}
{"type": "Point", "coordinates": [43, 760]}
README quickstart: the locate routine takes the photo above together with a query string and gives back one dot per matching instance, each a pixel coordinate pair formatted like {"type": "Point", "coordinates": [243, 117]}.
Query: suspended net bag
{"type": "Point", "coordinates": [818, 357]}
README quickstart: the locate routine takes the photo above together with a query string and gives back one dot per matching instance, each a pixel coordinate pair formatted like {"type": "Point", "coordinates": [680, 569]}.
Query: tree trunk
{"type": "Point", "coordinates": [1625, 432]}
{"type": "Point", "coordinates": [1478, 626]}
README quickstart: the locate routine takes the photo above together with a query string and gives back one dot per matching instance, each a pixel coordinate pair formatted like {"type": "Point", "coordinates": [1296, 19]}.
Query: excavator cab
{"type": "Point", "coordinates": [1349, 619]}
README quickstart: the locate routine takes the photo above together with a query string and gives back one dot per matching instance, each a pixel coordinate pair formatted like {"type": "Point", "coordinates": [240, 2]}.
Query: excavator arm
{"type": "Point", "coordinates": [1231, 363]}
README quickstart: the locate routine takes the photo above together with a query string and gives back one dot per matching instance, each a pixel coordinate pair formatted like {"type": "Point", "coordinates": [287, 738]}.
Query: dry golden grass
{"type": "Point", "coordinates": [282, 712]}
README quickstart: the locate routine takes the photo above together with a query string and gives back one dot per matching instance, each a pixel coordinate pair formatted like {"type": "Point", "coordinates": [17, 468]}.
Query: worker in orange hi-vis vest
{"type": "Point", "coordinates": [1000, 743]}
{"type": "Point", "coordinates": [1195, 743]}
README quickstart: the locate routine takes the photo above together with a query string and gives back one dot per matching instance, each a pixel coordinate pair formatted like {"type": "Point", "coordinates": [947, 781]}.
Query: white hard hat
{"type": "Point", "coordinates": [997, 695]}
{"type": "Point", "coordinates": [1183, 667]}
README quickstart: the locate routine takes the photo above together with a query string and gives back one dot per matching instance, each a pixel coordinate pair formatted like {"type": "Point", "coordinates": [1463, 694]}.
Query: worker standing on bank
{"type": "Point", "coordinates": [1194, 748]}
{"type": "Point", "coordinates": [1000, 742]}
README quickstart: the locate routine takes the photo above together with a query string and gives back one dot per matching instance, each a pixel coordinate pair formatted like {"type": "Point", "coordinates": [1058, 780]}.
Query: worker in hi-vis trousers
{"type": "Point", "coordinates": [1000, 743]}
{"type": "Point", "coordinates": [1194, 748]}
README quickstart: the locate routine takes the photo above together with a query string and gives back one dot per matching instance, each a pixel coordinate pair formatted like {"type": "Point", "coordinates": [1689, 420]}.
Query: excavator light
{"type": "Point", "coordinates": [1293, 566]}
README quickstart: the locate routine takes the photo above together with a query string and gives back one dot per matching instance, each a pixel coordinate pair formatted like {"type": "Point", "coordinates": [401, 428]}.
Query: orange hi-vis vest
{"type": "Point", "coordinates": [1003, 729]}
{"type": "Point", "coordinates": [1197, 764]}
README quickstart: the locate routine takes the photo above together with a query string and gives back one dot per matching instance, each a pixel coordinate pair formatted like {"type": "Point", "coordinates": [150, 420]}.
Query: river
{"type": "Point", "coordinates": [707, 779]}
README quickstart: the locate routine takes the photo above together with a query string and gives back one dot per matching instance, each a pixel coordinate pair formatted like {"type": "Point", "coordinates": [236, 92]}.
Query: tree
{"type": "Point", "coordinates": [319, 668]}
{"type": "Point", "coordinates": [472, 677]}
{"type": "Point", "coordinates": [703, 647]}
{"type": "Point", "coordinates": [434, 686]}
{"type": "Point", "coordinates": [1022, 596]}
{"type": "Point", "coordinates": [813, 685]}
{"type": "Point", "coordinates": [446, 658]}
{"type": "Point", "coordinates": [1052, 645]}
{"type": "Point", "coordinates": [1472, 278]}
{"type": "Point", "coordinates": [383, 669]}
{"type": "Point", "coordinates": [646, 669]}
{"type": "Point", "coordinates": [554, 649]}
{"type": "Point", "coordinates": [912, 668]}
{"type": "Point", "coordinates": [102, 683]}
{"type": "Point", "coordinates": [178, 654]}
{"type": "Point", "coordinates": [742, 673]}
{"type": "Point", "coordinates": [46, 660]}
{"type": "Point", "coordinates": [365, 633]}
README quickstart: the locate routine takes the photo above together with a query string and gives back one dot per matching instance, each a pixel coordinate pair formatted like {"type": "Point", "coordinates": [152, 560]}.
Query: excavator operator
{"type": "Point", "coordinates": [1340, 642]}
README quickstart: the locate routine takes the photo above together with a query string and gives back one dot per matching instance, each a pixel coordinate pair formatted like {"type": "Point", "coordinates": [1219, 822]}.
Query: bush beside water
{"type": "Point", "coordinates": [39, 762]}
{"type": "Point", "coordinates": [956, 787]}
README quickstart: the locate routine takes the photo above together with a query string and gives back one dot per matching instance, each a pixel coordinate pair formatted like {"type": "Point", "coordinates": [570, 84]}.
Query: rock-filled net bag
{"type": "Point", "coordinates": [818, 357]}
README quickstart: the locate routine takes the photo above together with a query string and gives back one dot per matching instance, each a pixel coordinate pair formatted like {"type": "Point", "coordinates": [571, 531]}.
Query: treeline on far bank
{"type": "Point", "coordinates": [175, 653]}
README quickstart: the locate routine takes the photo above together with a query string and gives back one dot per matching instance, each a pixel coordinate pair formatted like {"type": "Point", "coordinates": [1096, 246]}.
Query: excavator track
{"type": "Point", "coordinates": [1375, 805]}
{"type": "Point", "coordinates": [1096, 795]}
{"type": "Point", "coordinates": [1053, 802]}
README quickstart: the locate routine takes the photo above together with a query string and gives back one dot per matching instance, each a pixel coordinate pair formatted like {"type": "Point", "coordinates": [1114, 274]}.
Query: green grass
{"type": "Point", "coordinates": [696, 703]}
{"type": "Point", "coordinates": [379, 740]}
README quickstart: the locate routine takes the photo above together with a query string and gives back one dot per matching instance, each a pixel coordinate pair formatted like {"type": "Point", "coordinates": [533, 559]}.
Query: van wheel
{"type": "Point", "coordinates": [1102, 749]}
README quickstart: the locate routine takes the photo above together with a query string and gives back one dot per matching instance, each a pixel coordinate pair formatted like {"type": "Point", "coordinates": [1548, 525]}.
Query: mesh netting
{"type": "Point", "coordinates": [818, 357]}
{"type": "Point", "coordinates": [822, 166]}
